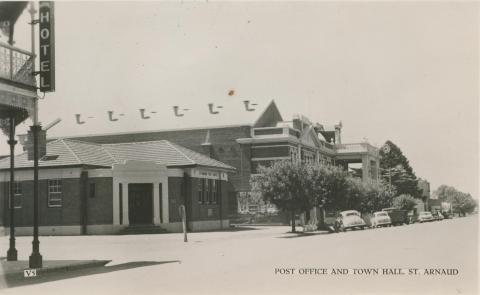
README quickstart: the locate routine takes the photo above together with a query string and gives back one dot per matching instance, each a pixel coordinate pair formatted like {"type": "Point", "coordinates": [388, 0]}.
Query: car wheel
{"type": "Point", "coordinates": [362, 227]}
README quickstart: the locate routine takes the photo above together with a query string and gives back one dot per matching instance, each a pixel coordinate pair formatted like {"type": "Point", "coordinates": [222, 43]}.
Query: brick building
{"type": "Point", "coordinates": [258, 138]}
{"type": "Point", "coordinates": [87, 188]}
{"type": "Point", "coordinates": [104, 165]}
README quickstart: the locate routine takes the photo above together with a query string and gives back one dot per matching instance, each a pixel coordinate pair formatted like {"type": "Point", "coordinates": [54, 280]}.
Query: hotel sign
{"type": "Point", "coordinates": [47, 46]}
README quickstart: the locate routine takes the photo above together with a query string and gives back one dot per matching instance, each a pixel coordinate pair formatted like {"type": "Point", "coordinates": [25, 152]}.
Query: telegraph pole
{"type": "Point", "coordinates": [35, 260]}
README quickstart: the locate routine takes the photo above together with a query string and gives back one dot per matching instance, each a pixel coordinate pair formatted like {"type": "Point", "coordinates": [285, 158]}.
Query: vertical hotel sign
{"type": "Point", "coordinates": [47, 47]}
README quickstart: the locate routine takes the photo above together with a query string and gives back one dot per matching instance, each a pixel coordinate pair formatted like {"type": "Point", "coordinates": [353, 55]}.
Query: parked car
{"type": "Point", "coordinates": [380, 218]}
{"type": "Point", "coordinates": [398, 216]}
{"type": "Point", "coordinates": [351, 219]}
{"type": "Point", "coordinates": [446, 215]}
{"type": "Point", "coordinates": [437, 216]}
{"type": "Point", "coordinates": [425, 216]}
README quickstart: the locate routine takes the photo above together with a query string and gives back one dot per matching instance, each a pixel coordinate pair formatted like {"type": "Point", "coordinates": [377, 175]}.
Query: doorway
{"type": "Point", "coordinates": [140, 203]}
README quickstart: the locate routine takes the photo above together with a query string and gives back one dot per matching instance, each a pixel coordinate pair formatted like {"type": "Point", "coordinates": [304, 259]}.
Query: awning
{"type": "Point", "coordinates": [17, 102]}
{"type": "Point", "coordinates": [10, 11]}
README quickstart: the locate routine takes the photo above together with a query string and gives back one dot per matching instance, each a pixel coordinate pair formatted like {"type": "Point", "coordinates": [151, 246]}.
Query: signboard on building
{"type": "Point", "coordinates": [47, 46]}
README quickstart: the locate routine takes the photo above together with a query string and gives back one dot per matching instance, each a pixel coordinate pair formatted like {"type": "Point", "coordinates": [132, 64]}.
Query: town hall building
{"type": "Point", "coordinates": [103, 183]}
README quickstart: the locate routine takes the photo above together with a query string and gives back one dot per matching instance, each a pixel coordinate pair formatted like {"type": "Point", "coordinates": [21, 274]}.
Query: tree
{"type": "Point", "coordinates": [404, 202]}
{"type": "Point", "coordinates": [330, 187]}
{"type": "Point", "coordinates": [286, 184]}
{"type": "Point", "coordinates": [461, 202]}
{"type": "Point", "coordinates": [376, 196]}
{"type": "Point", "coordinates": [396, 170]}
{"type": "Point", "coordinates": [445, 193]}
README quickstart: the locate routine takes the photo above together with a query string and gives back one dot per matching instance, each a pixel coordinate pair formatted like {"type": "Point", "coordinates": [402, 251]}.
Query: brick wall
{"type": "Point", "coordinates": [196, 211]}
{"type": "Point", "coordinates": [68, 214]}
{"type": "Point", "coordinates": [274, 151]}
{"type": "Point", "coordinates": [175, 198]}
{"type": "Point", "coordinates": [100, 207]}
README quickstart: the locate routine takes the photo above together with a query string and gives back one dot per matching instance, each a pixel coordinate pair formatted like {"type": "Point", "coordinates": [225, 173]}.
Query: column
{"type": "Point", "coordinates": [116, 203]}
{"type": "Point", "coordinates": [365, 168]}
{"type": "Point", "coordinates": [165, 198]}
{"type": "Point", "coordinates": [156, 203]}
{"type": "Point", "coordinates": [125, 203]}
{"type": "Point", "coordinates": [299, 154]}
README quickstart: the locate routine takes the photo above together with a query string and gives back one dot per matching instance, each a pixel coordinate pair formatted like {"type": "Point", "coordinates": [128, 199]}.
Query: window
{"type": "Point", "coordinates": [200, 191]}
{"type": "Point", "coordinates": [214, 191]}
{"type": "Point", "coordinates": [91, 190]}
{"type": "Point", "coordinates": [17, 195]}
{"type": "Point", "coordinates": [207, 191]}
{"type": "Point", "coordinates": [54, 193]}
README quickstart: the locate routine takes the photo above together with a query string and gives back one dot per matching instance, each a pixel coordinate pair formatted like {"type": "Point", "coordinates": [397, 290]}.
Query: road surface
{"type": "Point", "coordinates": [268, 260]}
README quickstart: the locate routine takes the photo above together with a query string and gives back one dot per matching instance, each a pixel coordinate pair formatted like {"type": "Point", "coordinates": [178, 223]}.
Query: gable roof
{"type": "Point", "coordinates": [67, 152]}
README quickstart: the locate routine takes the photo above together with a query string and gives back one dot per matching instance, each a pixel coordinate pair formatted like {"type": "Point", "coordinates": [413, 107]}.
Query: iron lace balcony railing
{"type": "Point", "coordinates": [16, 64]}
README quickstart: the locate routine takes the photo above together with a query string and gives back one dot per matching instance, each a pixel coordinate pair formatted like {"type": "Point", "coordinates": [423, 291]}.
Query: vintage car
{"type": "Point", "coordinates": [351, 219]}
{"type": "Point", "coordinates": [380, 218]}
{"type": "Point", "coordinates": [398, 216]}
{"type": "Point", "coordinates": [425, 216]}
{"type": "Point", "coordinates": [437, 216]}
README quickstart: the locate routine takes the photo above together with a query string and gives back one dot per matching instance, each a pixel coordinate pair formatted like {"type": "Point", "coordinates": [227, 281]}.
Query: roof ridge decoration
{"type": "Point", "coordinates": [207, 138]}
{"type": "Point", "coordinates": [70, 150]}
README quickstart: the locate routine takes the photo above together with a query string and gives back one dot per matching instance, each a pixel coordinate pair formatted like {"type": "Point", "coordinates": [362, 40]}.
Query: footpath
{"type": "Point", "coordinates": [18, 272]}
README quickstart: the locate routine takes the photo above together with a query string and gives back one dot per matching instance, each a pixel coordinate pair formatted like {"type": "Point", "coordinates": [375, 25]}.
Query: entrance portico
{"type": "Point", "coordinates": [133, 177]}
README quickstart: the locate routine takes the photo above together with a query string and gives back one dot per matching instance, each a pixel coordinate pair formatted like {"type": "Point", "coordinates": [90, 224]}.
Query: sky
{"type": "Point", "coordinates": [400, 71]}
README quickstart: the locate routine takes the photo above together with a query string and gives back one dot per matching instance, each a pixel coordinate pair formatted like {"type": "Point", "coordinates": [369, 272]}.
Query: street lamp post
{"type": "Point", "coordinates": [12, 252]}
{"type": "Point", "coordinates": [35, 260]}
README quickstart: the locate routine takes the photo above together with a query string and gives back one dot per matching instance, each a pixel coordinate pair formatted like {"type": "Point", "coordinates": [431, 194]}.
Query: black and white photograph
{"type": "Point", "coordinates": [239, 147]}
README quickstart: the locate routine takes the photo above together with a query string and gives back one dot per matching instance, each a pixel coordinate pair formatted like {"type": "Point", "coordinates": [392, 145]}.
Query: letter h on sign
{"type": "Point", "coordinates": [47, 47]}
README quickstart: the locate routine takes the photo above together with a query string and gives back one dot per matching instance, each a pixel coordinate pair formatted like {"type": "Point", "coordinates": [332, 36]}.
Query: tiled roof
{"type": "Point", "coordinates": [66, 152]}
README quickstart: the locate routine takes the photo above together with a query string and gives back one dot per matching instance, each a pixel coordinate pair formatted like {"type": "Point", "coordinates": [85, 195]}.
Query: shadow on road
{"type": "Point", "coordinates": [303, 235]}
{"type": "Point", "coordinates": [55, 276]}
{"type": "Point", "coordinates": [232, 229]}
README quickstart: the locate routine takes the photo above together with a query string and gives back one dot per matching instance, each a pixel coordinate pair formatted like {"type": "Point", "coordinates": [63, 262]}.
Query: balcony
{"type": "Point", "coordinates": [275, 131]}
{"type": "Point", "coordinates": [17, 85]}
{"type": "Point", "coordinates": [16, 66]}
{"type": "Point", "coordinates": [356, 148]}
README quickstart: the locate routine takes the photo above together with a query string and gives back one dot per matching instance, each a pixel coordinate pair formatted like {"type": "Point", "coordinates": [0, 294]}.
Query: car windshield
{"type": "Point", "coordinates": [351, 214]}
{"type": "Point", "coordinates": [382, 214]}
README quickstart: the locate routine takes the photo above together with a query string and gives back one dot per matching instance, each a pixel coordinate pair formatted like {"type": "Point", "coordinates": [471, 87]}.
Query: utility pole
{"type": "Point", "coordinates": [35, 260]}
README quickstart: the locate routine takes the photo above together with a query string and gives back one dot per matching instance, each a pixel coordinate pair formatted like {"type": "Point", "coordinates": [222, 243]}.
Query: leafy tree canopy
{"type": "Point", "coordinates": [405, 202]}
{"type": "Point", "coordinates": [286, 184]}
{"type": "Point", "coordinates": [396, 170]}
{"type": "Point", "coordinates": [461, 202]}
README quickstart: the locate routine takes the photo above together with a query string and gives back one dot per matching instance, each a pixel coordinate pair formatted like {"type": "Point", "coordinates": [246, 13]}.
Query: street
{"type": "Point", "coordinates": [268, 260]}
